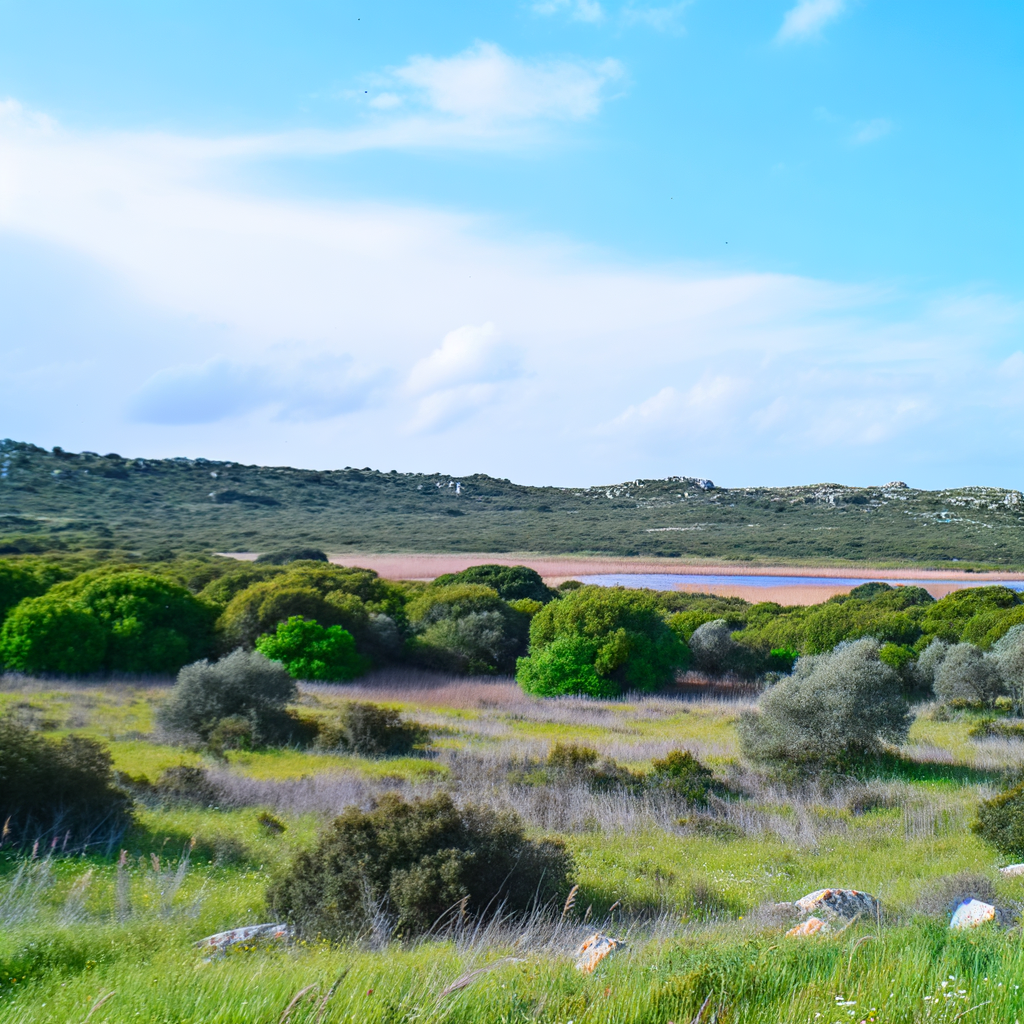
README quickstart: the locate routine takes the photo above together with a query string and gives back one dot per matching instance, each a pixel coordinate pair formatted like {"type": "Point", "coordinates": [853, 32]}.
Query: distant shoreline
{"type": "Point", "coordinates": [557, 569]}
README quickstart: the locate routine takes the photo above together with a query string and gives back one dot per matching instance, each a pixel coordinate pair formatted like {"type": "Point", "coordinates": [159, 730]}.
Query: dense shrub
{"type": "Point", "coordinates": [966, 675]}
{"type": "Point", "coordinates": [467, 627]}
{"type": "Point", "coordinates": [221, 590]}
{"type": "Point", "coordinates": [187, 785]}
{"type": "Point", "coordinates": [479, 642]}
{"type": "Point", "coordinates": [146, 624]}
{"type": "Point", "coordinates": [572, 763]}
{"type": "Point", "coordinates": [333, 596]}
{"type": "Point", "coordinates": [17, 583]}
{"type": "Point", "coordinates": [681, 773]}
{"type": "Point", "coordinates": [58, 786]}
{"type": "Point", "coordinates": [510, 582]}
{"type": "Point", "coordinates": [288, 555]}
{"type": "Point", "coordinates": [972, 615]}
{"type": "Point", "coordinates": [601, 641]}
{"type": "Point", "coordinates": [415, 863]}
{"type": "Point", "coordinates": [1008, 655]}
{"type": "Point", "coordinates": [45, 635]}
{"type": "Point", "coordinates": [311, 651]}
{"type": "Point", "coordinates": [713, 648]}
{"type": "Point", "coordinates": [371, 730]}
{"type": "Point", "coordinates": [1000, 822]}
{"type": "Point", "coordinates": [834, 711]}
{"type": "Point", "coordinates": [244, 684]}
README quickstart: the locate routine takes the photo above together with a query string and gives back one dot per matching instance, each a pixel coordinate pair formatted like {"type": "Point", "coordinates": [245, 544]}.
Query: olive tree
{"type": "Point", "coordinates": [967, 675]}
{"type": "Point", "coordinates": [834, 710]}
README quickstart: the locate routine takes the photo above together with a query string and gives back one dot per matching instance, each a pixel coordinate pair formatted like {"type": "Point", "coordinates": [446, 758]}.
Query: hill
{"type": "Point", "coordinates": [64, 501]}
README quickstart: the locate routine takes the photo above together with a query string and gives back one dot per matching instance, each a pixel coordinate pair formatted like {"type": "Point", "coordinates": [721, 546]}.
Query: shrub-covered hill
{"type": "Point", "coordinates": [57, 500]}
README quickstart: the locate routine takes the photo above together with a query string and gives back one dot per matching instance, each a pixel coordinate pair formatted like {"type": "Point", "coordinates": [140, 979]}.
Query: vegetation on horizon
{"type": "Point", "coordinates": [57, 501]}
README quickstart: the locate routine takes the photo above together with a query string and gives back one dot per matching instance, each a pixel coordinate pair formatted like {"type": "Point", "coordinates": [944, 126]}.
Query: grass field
{"type": "Point", "coordinates": [109, 937]}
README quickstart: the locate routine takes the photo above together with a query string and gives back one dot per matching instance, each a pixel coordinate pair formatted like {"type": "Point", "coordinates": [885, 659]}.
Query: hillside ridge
{"type": "Point", "coordinates": [58, 500]}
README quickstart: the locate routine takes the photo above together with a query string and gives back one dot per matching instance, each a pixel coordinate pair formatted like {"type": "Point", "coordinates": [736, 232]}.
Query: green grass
{"type": "Point", "coordinates": [687, 904]}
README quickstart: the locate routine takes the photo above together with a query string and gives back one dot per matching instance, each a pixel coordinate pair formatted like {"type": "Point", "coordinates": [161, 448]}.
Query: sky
{"type": "Point", "coordinates": [561, 241]}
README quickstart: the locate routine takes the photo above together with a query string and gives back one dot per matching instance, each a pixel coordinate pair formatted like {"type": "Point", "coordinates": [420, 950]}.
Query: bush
{"type": "Point", "coordinates": [713, 648]}
{"type": "Point", "coordinates": [371, 730]}
{"type": "Point", "coordinates": [834, 711]}
{"type": "Point", "coordinates": [417, 862]}
{"type": "Point", "coordinates": [600, 641]}
{"type": "Point", "coordinates": [571, 763]}
{"type": "Point", "coordinates": [333, 596]}
{"type": "Point", "coordinates": [244, 684]}
{"type": "Point", "coordinates": [17, 583]}
{"type": "Point", "coordinates": [479, 642]}
{"type": "Point", "coordinates": [44, 635]}
{"type": "Point", "coordinates": [186, 785]}
{"type": "Point", "coordinates": [510, 582]}
{"type": "Point", "coordinates": [141, 623]}
{"type": "Point", "coordinates": [311, 651]}
{"type": "Point", "coordinates": [1008, 655]}
{"type": "Point", "coordinates": [681, 773]}
{"type": "Point", "coordinates": [1000, 822]}
{"type": "Point", "coordinates": [291, 555]}
{"type": "Point", "coordinates": [58, 786]}
{"type": "Point", "coordinates": [967, 676]}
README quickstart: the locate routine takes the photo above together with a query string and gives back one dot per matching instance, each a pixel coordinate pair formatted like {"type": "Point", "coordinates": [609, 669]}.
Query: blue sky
{"type": "Point", "coordinates": [563, 241]}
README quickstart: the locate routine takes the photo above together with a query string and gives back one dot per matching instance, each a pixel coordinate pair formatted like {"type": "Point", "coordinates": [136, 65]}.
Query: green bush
{"type": "Point", "coordinates": [370, 730]}
{"type": "Point", "coordinates": [288, 555]}
{"type": "Point", "coordinates": [355, 599]}
{"type": "Point", "coordinates": [834, 711]}
{"type": "Point", "coordinates": [1000, 822]}
{"type": "Point", "coordinates": [17, 583]}
{"type": "Point", "coordinates": [415, 863]}
{"type": "Point", "coordinates": [46, 635]}
{"type": "Point", "coordinates": [311, 651]}
{"type": "Point", "coordinates": [681, 773]}
{"type": "Point", "coordinates": [146, 624]}
{"type": "Point", "coordinates": [244, 685]}
{"type": "Point", "coordinates": [510, 582]}
{"type": "Point", "coordinates": [58, 787]}
{"type": "Point", "coordinates": [601, 642]}
{"type": "Point", "coordinates": [571, 763]}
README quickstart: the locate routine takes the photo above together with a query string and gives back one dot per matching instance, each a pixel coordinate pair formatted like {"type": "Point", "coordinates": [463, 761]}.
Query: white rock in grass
{"type": "Point", "coordinates": [845, 904]}
{"type": "Point", "coordinates": [1012, 870]}
{"type": "Point", "coordinates": [971, 914]}
{"type": "Point", "coordinates": [242, 936]}
{"type": "Point", "coordinates": [594, 950]}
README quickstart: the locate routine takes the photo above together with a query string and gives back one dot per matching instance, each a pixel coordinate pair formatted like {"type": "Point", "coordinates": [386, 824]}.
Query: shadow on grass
{"type": "Point", "coordinates": [905, 769]}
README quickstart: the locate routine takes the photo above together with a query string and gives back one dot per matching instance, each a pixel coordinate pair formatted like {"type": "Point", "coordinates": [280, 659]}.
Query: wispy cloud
{"type": "Point", "coordinates": [807, 18]}
{"type": "Point", "coordinates": [460, 376]}
{"type": "Point", "coordinates": [663, 18]}
{"type": "Point", "coordinates": [865, 132]}
{"type": "Point", "coordinates": [578, 10]}
{"type": "Point", "coordinates": [484, 85]}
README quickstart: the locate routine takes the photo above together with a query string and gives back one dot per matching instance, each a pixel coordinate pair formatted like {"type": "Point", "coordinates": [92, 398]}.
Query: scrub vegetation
{"type": "Point", "coordinates": [156, 508]}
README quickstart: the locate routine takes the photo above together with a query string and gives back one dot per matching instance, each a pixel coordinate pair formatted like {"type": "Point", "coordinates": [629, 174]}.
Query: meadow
{"type": "Point", "coordinates": [108, 935]}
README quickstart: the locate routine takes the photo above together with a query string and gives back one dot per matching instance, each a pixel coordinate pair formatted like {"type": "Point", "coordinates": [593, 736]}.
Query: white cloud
{"type": "Point", "coordinates": [579, 10]}
{"type": "Point", "coordinates": [460, 376]}
{"type": "Point", "coordinates": [865, 132]}
{"type": "Point", "coordinates": [807, 18]}
{"type": "Point", "coordinates": [484, 85]}
{"type": "Point", "coordinates": [666, 18]}
{"type": "Point", "coordinates": [306, 333]}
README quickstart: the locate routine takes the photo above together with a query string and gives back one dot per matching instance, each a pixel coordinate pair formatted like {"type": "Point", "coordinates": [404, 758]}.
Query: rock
{"type": "Point", "coordinates": [1012, 870]}
{"type": "Point", "coordinates": [241, 936]}
{"type": "Point", "coordinates": [812, 926]}
{"type": "Point", "coordinates": [971, 914]}
{"type": "Point", "coordinates": [594, 950]}
{"type": "Point", "coordinates": [844, 904]}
